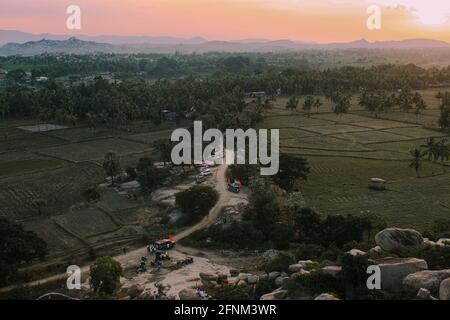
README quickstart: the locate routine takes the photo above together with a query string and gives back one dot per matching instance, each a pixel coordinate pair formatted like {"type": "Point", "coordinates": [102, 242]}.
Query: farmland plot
{"type": "Point", "coordinates": [94, 149]}
{"type": "Point", "coordinates": [61, 188]}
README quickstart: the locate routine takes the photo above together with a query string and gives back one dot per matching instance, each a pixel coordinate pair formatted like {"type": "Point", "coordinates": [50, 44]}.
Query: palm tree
{"type": "Point", "coordinates": [431, 148]}
{"type": "Point", "coordinates": [443, 152]}
{"type": "Point", "coordinates": [416, 161]}
{"type": "Point", "coordinates": [38, 204]}
{"type": "Point", "coordinates": [308, 104]}
{"type": "Point", "coordinates": [111, 164]}
{"type": "Point", "coordinates": [318, 104]}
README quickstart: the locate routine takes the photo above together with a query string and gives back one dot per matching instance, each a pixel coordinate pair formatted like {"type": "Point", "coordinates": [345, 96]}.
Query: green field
{"type": "Point", "coordinates": [345, 151]}
{"type": "Point", "coordinates": [17, 167]}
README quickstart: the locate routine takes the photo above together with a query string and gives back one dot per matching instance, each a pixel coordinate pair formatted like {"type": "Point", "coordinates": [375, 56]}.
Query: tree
{"type": "Point", "coordinates": [419, 104]}
{"type": "Point", "coordinates": [150, 178]}
{"type": "Point", "coordinates": [17, 246]}
{"type": "Point", "coordinates": [105, 275]}
{"type": "Point", "coordinates": [318, 104]}
{"type": "Point", "coordinates": [443, 152]}
{"type": "Point", "coordinates": [164, 148]}
{"type": "Point", "coordinates": [431, 148]}
{"type": "Point", "coordinates": [111, 164]}
{"type": "Point", "coordinates": [444, 118]}
{"type": "Point", "coordinates": [144, 163]}
{"type": "Point", "coordinates": [292, 103]}
{"type": "Point", "coordinates": [416, 161]}
{"type": "Point", "coordinates": [342, 105]}
{"type": "Point", "coordinates": [308, 104]}
{"type": "Point", "coordinates": [39, 204]}
{"type": "Point", "coordinates": [291, 169]}
{"type": "Point", "coordinates": [196, 201]}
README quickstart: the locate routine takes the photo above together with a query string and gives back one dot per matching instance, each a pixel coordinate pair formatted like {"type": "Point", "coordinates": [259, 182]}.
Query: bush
{"type": "Point", "coordinates": [436, 257]}
{"type": "Point", "coordinates": [281, 262]}
{"type": "Point", "coordinates": [131, 173]}
{"type": "Point", "coordinates": [105, 275]}
{"type": "Point", "coordinates": [237, 235]}
{"type": "Point", "coordinates": [230, 292]}
{"type": "Point", "coordinates": [308, 252]}
{"type": "Point", "coordinates": [196, 201]}
{"type": "Point", "coordinates": [313, 284]}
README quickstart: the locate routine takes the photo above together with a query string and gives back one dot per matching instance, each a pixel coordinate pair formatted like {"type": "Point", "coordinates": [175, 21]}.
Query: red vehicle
{"type": "Point", "coordinates": [161, 245]}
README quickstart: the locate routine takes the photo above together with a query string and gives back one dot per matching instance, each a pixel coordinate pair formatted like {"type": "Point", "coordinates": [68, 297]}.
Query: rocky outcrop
{"type": "Point", "coordinates": [394, 270]}
{"type": "Point", "coordinates": [278, 294]}
{"type": "Point", "coordinates": [280, 281]}
{"type": "Point", "coordinates": [293, 268]}
{"type": "Point", "coordinates": [189, 294]}
{"type": "Point", "coordinates": [394, 239]}
{"type": "Point", "coordinates": [444, 242]}
{"type": "Point", "coordinates": [331, 270]}
{"type": "Point", "coordinates": [376, 252]}
{"type": "Point", "coordinates": [326, 296]}
{"type": "Point", "coordinates": [356, 252]}
{"type": "Point", "coordinates": [425, 294]}
{"type": "Point", "coordinates": [135, 291]}
{"type": "Point", "coordinates": [444, 290]}
{"type": "Point", "coordinates": [427, 279]}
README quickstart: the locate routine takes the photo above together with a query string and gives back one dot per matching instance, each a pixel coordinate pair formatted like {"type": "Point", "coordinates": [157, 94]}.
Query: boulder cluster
{"type": "Point", "coordinates": [397, 274]}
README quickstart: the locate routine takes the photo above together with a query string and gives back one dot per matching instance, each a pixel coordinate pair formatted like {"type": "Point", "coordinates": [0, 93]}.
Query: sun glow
{"type": "Point", "coordinates": [429, 12]}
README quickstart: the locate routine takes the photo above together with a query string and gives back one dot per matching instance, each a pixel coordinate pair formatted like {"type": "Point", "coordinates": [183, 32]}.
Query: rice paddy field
{"type": "Point", "coordinates": [346, 151]}
{"type": "Point", "coordinates": [58, 166]}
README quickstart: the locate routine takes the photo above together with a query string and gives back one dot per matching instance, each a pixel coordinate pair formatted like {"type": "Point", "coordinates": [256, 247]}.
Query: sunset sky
{"type": "Point", "coordinates": [304, 20]}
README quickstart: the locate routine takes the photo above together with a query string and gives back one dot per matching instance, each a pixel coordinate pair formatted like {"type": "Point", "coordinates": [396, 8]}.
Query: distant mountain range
{"type": "Point", "coordinates": [16, 42]}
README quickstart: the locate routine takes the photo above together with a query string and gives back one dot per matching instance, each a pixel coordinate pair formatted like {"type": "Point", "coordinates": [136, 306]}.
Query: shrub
{"type": "Point", "coordinates": [105, 275]}
{"type": "Point", "coordinates": [281, 262]}
{"type": "Point", "coordinates": [308, 252]}
{"type": "Point", "coordinates": [230, 292]}
{"type": "Point", "coordinates": [196, 201]}
{"type": "Point", "coordinates": [313, 283]}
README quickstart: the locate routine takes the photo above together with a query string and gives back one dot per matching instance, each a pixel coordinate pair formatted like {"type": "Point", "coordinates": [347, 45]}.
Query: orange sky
{"type": "Point", "coordinates": [307, 20]}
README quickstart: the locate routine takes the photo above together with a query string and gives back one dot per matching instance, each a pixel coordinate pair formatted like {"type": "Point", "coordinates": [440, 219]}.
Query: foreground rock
{"type": "Point", "coordinates": [326, 296]}
{"type": "Point", "coordinates": [394, 239]}
{"type": "Point", "coordinates": [444, 290]}
{"type": "Point", "coordinates": [278, 294]}
{"type": "Point", "coordinates": [428, 279]}
{"type": "Point", "coordinates": [331, 270]}
{"type": "Point", "coordinates": [189, 294]}
{"type": "Point", "coordinates": [425, 294]}
{"type": "Point", "coordinates": [394, 270]}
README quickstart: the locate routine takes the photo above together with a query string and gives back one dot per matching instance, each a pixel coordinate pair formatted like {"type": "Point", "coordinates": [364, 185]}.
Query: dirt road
{"type": "Point", "coordinates": [132, 257]}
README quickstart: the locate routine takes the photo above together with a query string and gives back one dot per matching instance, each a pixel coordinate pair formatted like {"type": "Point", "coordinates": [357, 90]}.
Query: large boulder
{"type": "Point", "coordinates": [134, 291]}
{"type": "Point", "coordinates": [331, 270]}
{"type": "Point", "coordinates": [189, 294]}
{"type": "Point", "coordinates": [278, 294]}
{"type": "Point", "coordinates": [444, 290]}
{"type": "Point", "coordinates": [209, 276]}
{"type": "Point", "coordinates": [293, 268]}
{"type": "Point", "coordinates": [326, 296]}
{"type": "Point", "coordinates": [394, 239]}
{"type": "Point", "coordinates": [273, 275]}
{"type": "Point", "coordinates": [444, 242]}
{"type": "Point", "coordinates": [356, 252]}
{"type": "Point", "coordinates": [427, 279]}
{"type": "Point", "coordinates": [394, 270]}
{"type": "Point", "coordinates": [424, 294]}
{"type": "Point", "coordinates": [280, 281]}
{"type": "Point", "coordinates": [252, 279]}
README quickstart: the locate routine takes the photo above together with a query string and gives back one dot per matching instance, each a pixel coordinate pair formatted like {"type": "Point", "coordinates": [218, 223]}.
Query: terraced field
{"type": "Point", "coordinates": [345, 151]}
{"type": "Point", "coordinates": [59, 166]}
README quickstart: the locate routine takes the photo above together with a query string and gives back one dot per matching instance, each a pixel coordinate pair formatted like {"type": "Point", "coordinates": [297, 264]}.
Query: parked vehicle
{"type": "Point", "coordinates": [233, 188]}
{"type": "Point", "coordinates": [200, 179]}
{"type": "Point", "coordinates": [164, 244]}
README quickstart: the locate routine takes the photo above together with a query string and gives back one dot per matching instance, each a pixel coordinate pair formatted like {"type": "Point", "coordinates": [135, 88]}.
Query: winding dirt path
{"type": "Point", "coordinates": [131, 257]}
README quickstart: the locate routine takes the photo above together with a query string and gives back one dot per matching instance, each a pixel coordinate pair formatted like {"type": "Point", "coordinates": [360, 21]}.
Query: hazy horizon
{"type": "Point", "coordinates": [320, 21]}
